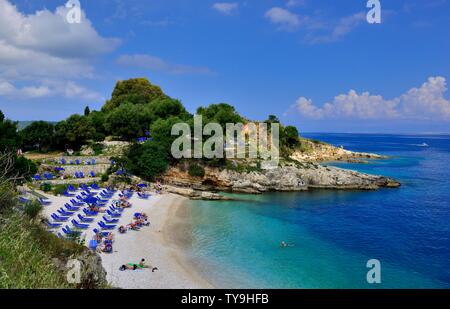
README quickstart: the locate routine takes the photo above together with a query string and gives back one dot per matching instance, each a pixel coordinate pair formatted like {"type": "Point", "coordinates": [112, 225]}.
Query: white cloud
{"type": "Point", "coordinates": [295, 3]}
{"type": "Point", "coordinates": [47, 89]}
{"type": "Point", "coordinates": [150, 62]}
{"type": "Point", "coordinates": [344, 26]}
{"type": "Point", "coordinates": [424, 103]}
{"type": "Point", "coordinates": [284, 19]}
{"type": "Point", "coordinates": [226, 8]}
{"type": "Point", "coordinates": [43, 46]}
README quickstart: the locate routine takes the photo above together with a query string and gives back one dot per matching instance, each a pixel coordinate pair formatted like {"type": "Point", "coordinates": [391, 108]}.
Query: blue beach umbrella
{"type": "Point", "coordinates": [90, 200]}
{"type": "Point", "coordinates": [142, 185]}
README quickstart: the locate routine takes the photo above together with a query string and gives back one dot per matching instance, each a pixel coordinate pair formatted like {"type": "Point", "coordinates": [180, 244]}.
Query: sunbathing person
{"type": "Point", "coordinates": [141, 265]}
{"type": "Point", "coordinates": [108, 248]}
{"type": "Point", "coordinates": [133, 226]}
{"type": "Point", "coordinates": [122, 229]}
{"type": "Point", "coordinates": [125, 204]}
{"type": "Point", "coordinates": [110, 237]}
{"type": "Point", "coordinates": [98, 237]}
{"type": "Point", "coordinates": [94, 208]}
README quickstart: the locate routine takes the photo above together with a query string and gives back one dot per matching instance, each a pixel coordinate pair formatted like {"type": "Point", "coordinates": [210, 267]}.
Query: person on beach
{"type": "Point", "coordinates": [122, 230]}
{"type": "Point", "coordinates": [98, 237]}
{"type": "Point", "coordinates": [141, 265]}
{"type": "Point", "coordinates": [108, 248]}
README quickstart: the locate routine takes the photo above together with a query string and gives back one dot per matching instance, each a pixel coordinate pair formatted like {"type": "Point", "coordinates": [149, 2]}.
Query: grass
{"type": "Point", "coordinates": [26, 253]}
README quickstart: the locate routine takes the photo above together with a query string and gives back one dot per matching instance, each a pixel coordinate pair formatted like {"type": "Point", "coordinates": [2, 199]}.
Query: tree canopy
{"type": "Point", "coordinates": [9, 138]}
{"type": "Point", "coordinates": [220, 113]}
{"type": "Point", "coordinates": [133, 91]}
{"type": "Point", "coordinates": [38, 135]}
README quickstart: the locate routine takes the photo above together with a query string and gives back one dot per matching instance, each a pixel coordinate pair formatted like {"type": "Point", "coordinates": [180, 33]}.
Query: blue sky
{"type": "Point", "coordinates": [316, 64]}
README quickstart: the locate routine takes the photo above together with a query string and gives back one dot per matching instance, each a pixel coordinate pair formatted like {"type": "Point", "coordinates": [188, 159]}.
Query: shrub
{"type": "Point", "coordinates": [6, 196]}
{"type": "Point", "coordinates": [46, 187]}
{"type": "Point", "coordinates": [105, 177]}
{"type": "Point", "coordinates": [32, 209]}
{"type": "Point", "coordinates": [98, 148]}
{"type": "Point", "coordinates": [27, 250]}
{"type": "Point", "coordinates": [59, 189]}
{"type": "Point", "coordinates": [148, 160]}
{"type": "Point", "coordinates": [196, 170]}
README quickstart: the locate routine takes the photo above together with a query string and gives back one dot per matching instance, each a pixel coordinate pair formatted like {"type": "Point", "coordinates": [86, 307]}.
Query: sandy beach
{"type": "Point", "coordinates": [160, 244]}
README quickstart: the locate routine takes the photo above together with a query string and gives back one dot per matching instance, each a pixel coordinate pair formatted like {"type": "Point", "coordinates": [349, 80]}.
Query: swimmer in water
{"type": "Point", "coordinates": [285, 244]}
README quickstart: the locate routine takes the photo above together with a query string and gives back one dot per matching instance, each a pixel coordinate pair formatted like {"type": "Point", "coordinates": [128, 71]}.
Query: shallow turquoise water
{"type": "Point", "coordinates": [334, 233]}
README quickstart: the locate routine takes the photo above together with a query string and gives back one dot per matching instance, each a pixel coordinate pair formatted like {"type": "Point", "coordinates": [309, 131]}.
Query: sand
{"type": "Point", "coordinates": [161, 245]}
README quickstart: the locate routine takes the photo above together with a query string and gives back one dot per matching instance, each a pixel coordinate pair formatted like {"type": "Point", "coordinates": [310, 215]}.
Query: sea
{"type": "Point", "coordinates": [332, 235]}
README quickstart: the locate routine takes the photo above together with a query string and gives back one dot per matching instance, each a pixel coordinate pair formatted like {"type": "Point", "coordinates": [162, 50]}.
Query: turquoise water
{"type": "Point", "coordinates": [334, 233]}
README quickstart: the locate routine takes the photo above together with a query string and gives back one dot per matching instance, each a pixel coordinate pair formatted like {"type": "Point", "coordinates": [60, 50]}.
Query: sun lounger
{"type": "Point", "coordinates": [53, 225]}
{"type": "Point", "coordinates": [89, 213]}
{"type": "Point", "coordinates": [65, 213]}
{"type": "Point", "coordinates": [37, 178]}
{"type": "Point", "coordinates": [79, 225]}
{"type": "Point", "coordinates": [58, 218]}
{"type": "Point", "coordinates": [115, 209]}
{"type": "Point", "coordinates": [68, 194]}
{"type": "Point", "coordinates": [71, 188]}
{"type": "Point", "coordinates": [77, 162]}
{"type": "Point", "coordinates": [114, 215]}
{"type": "Point", "coordinates": [75, 203]}
{"type": "Point", "coordinates": [143, 196]}
{"type": "Point", "coordinates": [85, 219]}
{"type": "Point", "coordinates": [44, 202]}
{"type": "Point", "coordinates": [105, 226]}
{"type": "Point", "coordinates": [104, 234]}
{"type": "Point", "coordinates": [110, 221]}
{"type": "Point", "coordinates": [23, 200]}
{"type": "Point", "coordinates": [94, 185]}
{"type": "Point", "coordinates": [71, 208]}
{"type": "Point", "coordinates": [66, 230]}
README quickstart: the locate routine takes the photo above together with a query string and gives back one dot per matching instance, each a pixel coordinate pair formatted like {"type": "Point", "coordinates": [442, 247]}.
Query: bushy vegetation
{"type": "Point", "coordinates": [136, 109]}
{"type": "Point", "coordinates": [148, 160]}
{"type": "Point", "coordinates": [196, 170]}
{"type": "Point", "coordinates": [32, 209]}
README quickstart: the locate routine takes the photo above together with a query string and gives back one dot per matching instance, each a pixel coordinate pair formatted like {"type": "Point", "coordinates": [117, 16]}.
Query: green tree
{"type": "Point", "coordinates": [128, 121]}
{"type": "Point", "coordinates": [148, 160]}
{"type": "Point", "coordinates": [166, 107]}
{"type": "Point", "coordinates": [290, 136]}
{"type": "Point", "coordinates": [133, 91]}
{"type": "Point", "coordinates": [272, 119]}
{"type": "Point", "coordinates": [161, 131]}
{"type": "Point", "coordinates": [98, 122]}
{"type": "Point", "coordinates": [9, 138]}
{"type": "Point", "coordinates": [87, 111]}
{"type": "Point", "coordinates": [74, 132]}
{"type": "Point", "coordinates": [38, 135]}
{"type": "Point", "coordinates": [220, 113]}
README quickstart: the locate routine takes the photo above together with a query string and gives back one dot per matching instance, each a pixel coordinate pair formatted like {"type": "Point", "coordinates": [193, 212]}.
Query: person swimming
{"type": "Point", "coordinates": [284, 244]}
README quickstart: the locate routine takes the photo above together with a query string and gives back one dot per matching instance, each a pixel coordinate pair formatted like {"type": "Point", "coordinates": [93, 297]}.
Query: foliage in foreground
{"type": "Point", "coordinates": [26, 253]}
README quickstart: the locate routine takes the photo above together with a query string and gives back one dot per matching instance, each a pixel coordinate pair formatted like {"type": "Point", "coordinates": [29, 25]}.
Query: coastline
{"type": "Point", "coordinates": [161, 245]}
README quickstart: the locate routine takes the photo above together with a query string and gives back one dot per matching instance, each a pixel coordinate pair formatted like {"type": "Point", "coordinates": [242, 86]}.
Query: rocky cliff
{"type": "Point", "coordinates": [285, 178]}
{"type": "Point", "coordinates": [315, 151]}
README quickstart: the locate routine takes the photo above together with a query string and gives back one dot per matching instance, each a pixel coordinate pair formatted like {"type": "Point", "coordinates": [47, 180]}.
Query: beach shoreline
{"type": "Point", "coordinates": [161, 245]}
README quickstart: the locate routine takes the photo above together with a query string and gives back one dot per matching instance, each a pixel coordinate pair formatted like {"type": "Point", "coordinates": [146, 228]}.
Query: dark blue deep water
{"type": "Point", "coordinates": [335, 233]}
